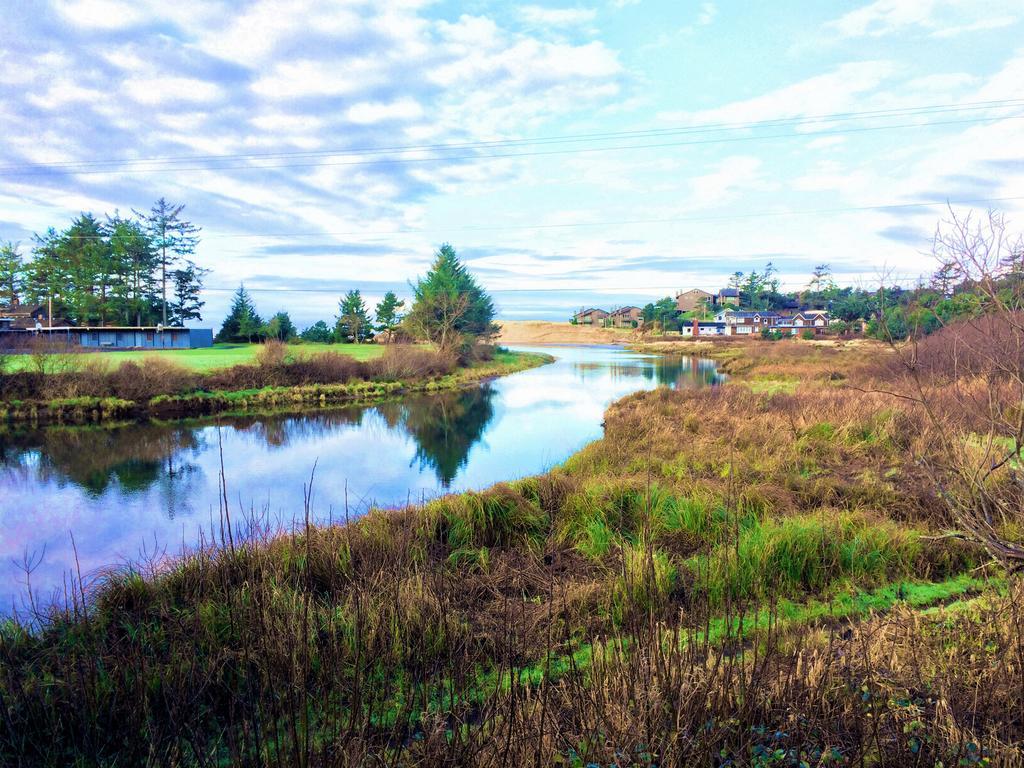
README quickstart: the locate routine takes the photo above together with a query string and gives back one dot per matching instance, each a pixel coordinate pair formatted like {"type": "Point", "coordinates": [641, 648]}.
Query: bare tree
{"type": "Point", "coordinates": [968, 379]}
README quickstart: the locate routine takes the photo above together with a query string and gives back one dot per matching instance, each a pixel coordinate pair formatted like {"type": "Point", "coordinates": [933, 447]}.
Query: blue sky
{"type": "Point", "coordinates": [548, 224]}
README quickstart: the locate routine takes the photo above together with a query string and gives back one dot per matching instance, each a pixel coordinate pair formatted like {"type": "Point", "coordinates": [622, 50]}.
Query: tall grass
{"type": "Point", "coordinates": [726, 578]}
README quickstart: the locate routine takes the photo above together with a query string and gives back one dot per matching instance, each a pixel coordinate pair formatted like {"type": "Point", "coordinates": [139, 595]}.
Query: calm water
{"type": "Point", "coordinates": [128, 492]}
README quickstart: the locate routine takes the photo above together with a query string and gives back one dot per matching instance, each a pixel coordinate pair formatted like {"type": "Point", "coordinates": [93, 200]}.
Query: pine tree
{"type": "Point", "coordinates": [317, 332]}
{"type": "Point", "coordinates": [173, 239]}
{"type": "Point", "coordinates": [187, 282]}
{"type": "Point", "coordinates": [450, 309]}
{"type": "Point", "coordinates": [352, 323]}
{"type": "Point", "coordinates": [135, 263]}
{"type": "Point", "coordinates": [242, 322]}
{"type": "Point", "coordinates": [12, 273]}
{"type": "Point", "coordinates": [387, 314]}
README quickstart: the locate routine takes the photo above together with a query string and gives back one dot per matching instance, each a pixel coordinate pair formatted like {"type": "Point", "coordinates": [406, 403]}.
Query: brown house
{"type": "Point", "coordinates": [687, 301]}
{"type": "Point", "coordinates": [20, 317]}
{"type": "Point", "coordinates": [590, 316]}
{"type": "Point", "coordinates": [627, 317]}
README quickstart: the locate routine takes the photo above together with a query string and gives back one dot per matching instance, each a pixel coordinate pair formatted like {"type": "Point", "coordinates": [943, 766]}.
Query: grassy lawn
{"type": "Point", "coordinates": [209, 358]}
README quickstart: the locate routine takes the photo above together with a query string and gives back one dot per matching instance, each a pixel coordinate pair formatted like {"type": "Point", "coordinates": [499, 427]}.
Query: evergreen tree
{"type": "Point", "coordinates": [173, 238]}
{"type": "Point", "coordinates": [352, 323]}
{"type": "Point", "coordinates": [135, 262]}
{"type": "Point", "coordinates": [449, 308]}
{"type": "Point", "coordinates": [821, 279]}
{"type": "Point", "coordinates": [11, 274]}
{"type": "Point", "coordinates": [666, 314]}
{"type": "Point", "coordinates": [86, 256]}
{"type": "Point", "coordinates": [187, 283]}
{"type": "Point", "coordinates": [280, 327]}
{"type": "Point", "coordinates": [318, 332]}
{"type": "Point", "coordinates": [242, 322]}
{"type": "Point", "coordinates": [386, 314]}
{"type": "Point", "coordinates": [47, 275]}
{"type": "Point", "coordinates": [945, 279]}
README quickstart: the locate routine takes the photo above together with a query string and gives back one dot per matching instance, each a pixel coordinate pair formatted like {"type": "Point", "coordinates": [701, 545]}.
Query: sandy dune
{"type": "Point", "coordinates": [544, 332]}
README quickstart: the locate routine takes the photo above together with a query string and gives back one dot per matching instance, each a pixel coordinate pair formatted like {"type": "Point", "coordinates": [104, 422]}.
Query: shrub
{"type": "Point", "coordinates": [807, 335]}
{"type": "Point", "coordinates": [145, 380]}
{"type": "Point", "coordinates": [324, 368]}
{"type": "Point", "coordinates": [272, 354]}
{"type": "Point", "coordinates": [402, 361]}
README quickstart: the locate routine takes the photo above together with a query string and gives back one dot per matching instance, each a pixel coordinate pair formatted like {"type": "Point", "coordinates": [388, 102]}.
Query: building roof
{"type": "Point", "coordinates": [730, 292]}
{"type": "Point", "coordinates": [755, 313]}
{"type": "Point", "coordinates": [693, 290]}
{"type": "Point", "coordinates": [625, 310]}
{"type": "Point", "coordinates": [588, 311]}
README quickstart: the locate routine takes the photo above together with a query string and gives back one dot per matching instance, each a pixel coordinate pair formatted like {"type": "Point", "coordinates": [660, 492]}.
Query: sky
{"type": "Point", "coordinates": [593, 154]}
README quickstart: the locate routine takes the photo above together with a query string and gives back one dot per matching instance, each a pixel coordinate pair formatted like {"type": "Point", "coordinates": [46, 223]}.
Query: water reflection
{"type": "Point", "coordinates": [123, 488]}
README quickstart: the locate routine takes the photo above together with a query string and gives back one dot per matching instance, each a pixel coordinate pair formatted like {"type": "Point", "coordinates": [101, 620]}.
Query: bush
{"type": "Point", "coordinates": [807, 335]}
{"type": "Point", "coordinates": [324, 368]}
{"type": "Point", "coordinates": [272, 354]}
{"type": "Point", "coordinates": [145, 380]}
{"type": "Point", "coordinates": [403, 361]}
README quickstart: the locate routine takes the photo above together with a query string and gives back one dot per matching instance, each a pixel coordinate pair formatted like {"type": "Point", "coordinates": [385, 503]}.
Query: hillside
{"type": "Point", "coordinates": [545, 332]}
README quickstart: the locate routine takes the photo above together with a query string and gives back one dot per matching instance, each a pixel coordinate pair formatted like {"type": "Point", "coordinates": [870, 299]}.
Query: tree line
{"type": "Point", "coordinates": [449, 309]}
{"type": "Point", "coordinates": [110, 270]}
{"type": "Point", "coordinates": [352, 325]}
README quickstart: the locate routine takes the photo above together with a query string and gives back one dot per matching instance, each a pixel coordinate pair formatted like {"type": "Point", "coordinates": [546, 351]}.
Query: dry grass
{"type": "Point", "coordinates": [681, 592]}
{"type": "Point", "coordinates": [65, 376]}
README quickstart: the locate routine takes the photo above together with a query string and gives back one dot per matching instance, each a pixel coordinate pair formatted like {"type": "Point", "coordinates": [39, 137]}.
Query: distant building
{"type": "Point", "coordinates": [729, 296]}
{"type": "Point", "coordinates": [24, 317]}
{"type": "Point", "coordinates": [700, 328]}
{"type": "Point", "coordinates": [627, 317]}
{"type": "Point", "coordinates": [590, 316]}
{"type": "Point", "coordinates": [745, 323]}
{"type": "Point", "coordinates": [695, 298]}
{"type": "Point", "coordinates": [106, 337]}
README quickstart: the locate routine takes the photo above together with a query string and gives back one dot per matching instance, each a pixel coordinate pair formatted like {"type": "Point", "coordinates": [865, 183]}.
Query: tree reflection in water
{"type": "Point", "coordinates": [668, 371]}
{"type": "Point", "coordinates": [136, 457]}
{"type": "Point", "coordinates": [444, 427]}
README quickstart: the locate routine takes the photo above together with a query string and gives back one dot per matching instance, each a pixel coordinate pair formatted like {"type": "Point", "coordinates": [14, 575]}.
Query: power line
{"type": "Point", "coordinates": [36, 171]}
{"type": "Point", "coordinates": [624, 222]}
{"type": "Point", "coordinates": [562, 138]}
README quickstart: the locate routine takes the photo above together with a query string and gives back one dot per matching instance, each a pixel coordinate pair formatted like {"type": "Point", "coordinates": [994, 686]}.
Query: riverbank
{"type": "Point", "coordinates": [734, 573]}
{"type": "Point", "coordinates": [94, 409]}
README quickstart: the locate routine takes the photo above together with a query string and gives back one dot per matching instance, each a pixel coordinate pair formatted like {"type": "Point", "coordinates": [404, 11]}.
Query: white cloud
{"type": "Point", "coordinates": [733, 175]}
{"type": "Point", "coordinates": [160, 90]}
{"type": "Point", "coordinates": [101, 14]}
{"type": "Point", "coordinates": [708, 11]}
{"type": "Point", "coordinates": [309, 77]}
{"type": "Point", "coordinates": [839, 90]}
{"type": "Point", "coordinates": [943, 18]}
{"type": "Point", "coordinates": [982, 25]}
{"type": "Point", "coordinates": [62, 92]}
{"type": "Point", "coordinates": [556, 17]}
{"type": "Point", "coordinates": [366, 112]}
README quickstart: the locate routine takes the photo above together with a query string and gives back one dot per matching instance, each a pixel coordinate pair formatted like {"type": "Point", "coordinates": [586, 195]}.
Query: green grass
{"type": "Point", "coordinates": [771, 386]}
{"type": "Point", "coordinates": [211, 358]}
